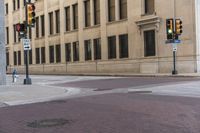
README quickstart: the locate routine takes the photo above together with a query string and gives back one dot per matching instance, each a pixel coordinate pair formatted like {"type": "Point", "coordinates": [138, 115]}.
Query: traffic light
{"type": "Point", "coordinates": [178, 27]}
{"type": "Point", "coordinates": [30, 14]}
{"type": "Point", "coordinates": [170, 29]}
{"type": "Point", "coordinates": [20, 27]}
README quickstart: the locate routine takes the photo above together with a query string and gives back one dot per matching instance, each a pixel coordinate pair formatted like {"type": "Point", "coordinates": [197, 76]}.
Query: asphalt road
{"type": "Point", "coordinates": [108, 113]}
{"type": "Point", "coordinates": [118, 83]}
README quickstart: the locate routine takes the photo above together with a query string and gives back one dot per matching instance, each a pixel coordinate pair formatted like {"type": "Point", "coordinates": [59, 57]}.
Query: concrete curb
{"type": "Point", "coordinates": [126, 75]}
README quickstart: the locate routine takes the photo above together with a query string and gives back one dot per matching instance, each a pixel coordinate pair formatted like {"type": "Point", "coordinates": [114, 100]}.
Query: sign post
{"type": "Point", "coordinates": [26, 43]}
{"type": "Point", "coordinates": [174, 72]}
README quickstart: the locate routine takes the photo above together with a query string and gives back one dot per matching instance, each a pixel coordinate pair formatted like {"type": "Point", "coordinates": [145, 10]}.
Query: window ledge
{"type": "Point", "coordinates": [148, 14]}
{"type": "Point", "coordinates": [71, 31]}
{"type": "Point", "coordinates": [15, 10]}
{"type": "Point", "coordinates": [53, 35]}
{"type": "Point", "coordinates": [91, 27]}
{"type": "Point", "coordinates": [117, 21]}
{"type": "Point", "coordinates": [16, 43]}
{"type": "Point", "coordinates": [149, 57]}
{"type": "Point", "coordinates": [39, 38]}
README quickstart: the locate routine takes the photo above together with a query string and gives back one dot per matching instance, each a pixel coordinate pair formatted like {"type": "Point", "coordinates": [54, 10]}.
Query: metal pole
{"type": "Point", "coordinates": [2, 45]}
{"type": "Point", "coordinates": [27, 81]}
{"type": "Point", "coordinates": [174, 72]}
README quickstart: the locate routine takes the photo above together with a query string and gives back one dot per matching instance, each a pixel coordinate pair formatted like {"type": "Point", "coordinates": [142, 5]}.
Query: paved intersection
{"type": "Point", "coordinates": [48, 88]}
{"type": "Point", "coordinates": [77, 104]}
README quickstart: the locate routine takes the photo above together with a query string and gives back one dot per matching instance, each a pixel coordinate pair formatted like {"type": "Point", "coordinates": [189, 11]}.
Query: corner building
{"type": "Point", "coordinates": [103, 36]}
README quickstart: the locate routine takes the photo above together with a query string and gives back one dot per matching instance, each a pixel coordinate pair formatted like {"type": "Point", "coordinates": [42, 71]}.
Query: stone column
{"type": "Point", "coordinates": [116, 10]}
{"type": "Point", "coordinates": [197, 21]}
{"type": "Point", "coordinates": [2, 45]}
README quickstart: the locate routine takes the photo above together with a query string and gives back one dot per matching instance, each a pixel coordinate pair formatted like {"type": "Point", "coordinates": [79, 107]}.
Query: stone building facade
{"type": "Point", "coordinates": [103, 36]}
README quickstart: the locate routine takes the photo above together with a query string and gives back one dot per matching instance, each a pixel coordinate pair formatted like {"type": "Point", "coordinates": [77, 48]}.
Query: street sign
{"type": "Point", "coordinates": [173, 41]}
{"type": "Point", "coordinates": [174, 49]}
{"type": "Point", "coordinates": [26, 44]}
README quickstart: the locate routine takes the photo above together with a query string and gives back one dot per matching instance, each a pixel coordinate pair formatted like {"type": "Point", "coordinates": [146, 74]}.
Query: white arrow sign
{"type": "Point", "coordinates": [27, 44]}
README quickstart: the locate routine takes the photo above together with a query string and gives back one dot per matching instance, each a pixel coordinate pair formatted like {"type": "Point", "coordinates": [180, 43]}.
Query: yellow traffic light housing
{"type": "Point", "coordinates": [170, 28]}
{"type": "Point", "coordinates": [178, 27]}
{"type": "Point", "coordinates": [30, 14]}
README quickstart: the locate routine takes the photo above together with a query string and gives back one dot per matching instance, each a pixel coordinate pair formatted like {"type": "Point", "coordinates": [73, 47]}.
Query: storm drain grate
{"type": "Point", "coordinates": [59, 101]}
{"type": "Point", "coordinates": [49, 123]}
{"type": "Point", "coordinates": [140, 92]}
{"type": "Point", "coordinates": [108, 89]}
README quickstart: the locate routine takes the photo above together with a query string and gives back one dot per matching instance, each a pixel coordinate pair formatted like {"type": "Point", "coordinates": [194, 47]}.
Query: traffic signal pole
{"type": "Point", "coordinates": [174, 71]}
{"type": "Point", "coordinates": [27, 80]}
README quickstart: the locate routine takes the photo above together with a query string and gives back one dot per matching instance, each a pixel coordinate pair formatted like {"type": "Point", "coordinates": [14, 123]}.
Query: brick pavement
{"type": "Point", "coordinates": [108, 113]}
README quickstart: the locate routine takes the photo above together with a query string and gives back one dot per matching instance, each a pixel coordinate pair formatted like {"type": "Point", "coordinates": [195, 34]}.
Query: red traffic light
{"type": "Point", "coordinates": [20, 27]}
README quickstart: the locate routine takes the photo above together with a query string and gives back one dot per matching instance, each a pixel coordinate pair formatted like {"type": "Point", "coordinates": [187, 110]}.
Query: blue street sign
{"type": "Point", "coordinates": [173, 41]}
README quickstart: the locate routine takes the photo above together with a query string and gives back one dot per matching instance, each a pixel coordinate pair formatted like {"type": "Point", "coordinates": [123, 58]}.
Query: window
{"type": "Point", "coordinates": [18, 4]}
{"type": "Point", "coordinates": [57, 21]}
{"type": "Point", "coordinates": [97, 49]}
{"type": "Point", "coordinates": [42, 25]}
{"type": "Point", "coordinates": [87, 13]}
{"type": "Point", "coordinates": [37, 27]}
{"type": "Point", "coordinates": [37, 55]}
{"type": "Point", "coordinates": [15, 58]}
{"type": "Point", "coordinates": [6, 8]}
{"type": "Point", "coordinates": [149, 6]}
{"type": "Point", "coordinates": [149, 43]}
{"type": "Point", "coordinates": [58, 55]}
{"type": "Point", "coordinates": [7, 59]}
{"type": "Point", "coordinates": [75, 16]}
{"type": "Point", "coordinates": [123, 9]}
{"type": "Point", "coordinates": [30, 57]}
{"type": "Point", "coordinates": [43, 55]}
{"type": "Point", "coordinates": [96, 12]}
{"type": "Point", "coordinates": [51, 23]}
{"type": "Point", "coordinates": [14, 5]}
{"type": "Point", "coordinates": [14, 33]}
{"type": "Point", "coordinates": [30, 32]}
{"type": "Point", "coordinates": [67, 17]}
{"type": "Point", "coordinates": [19, 57]}
{"type": "Point", "coordinates": [88, 53]}
{"type": "Point", "coordinates": [123, 46]}
{"type": "Point", "coordinates": [7, 35]}
{"type": "Point", "coordinates": [76, 51]}
{"type": "Point", "coordinates": [112, 47]}
{"type": "Point", "coordinates": [111, 10]}
{"type": "Point", "coordinates": [51, 54]}
{"type": "Point", "coordinates": [18, 36]}
{"type": "Point", "coordinates": [68, 52]}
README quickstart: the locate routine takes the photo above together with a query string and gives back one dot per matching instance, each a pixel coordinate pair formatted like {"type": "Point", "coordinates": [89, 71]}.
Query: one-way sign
{"type": "Point", "coordinates": [27, 44]}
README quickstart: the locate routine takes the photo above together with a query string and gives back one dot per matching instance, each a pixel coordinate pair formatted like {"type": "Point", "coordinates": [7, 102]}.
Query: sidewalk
{"type": "Point", "coordinates": [41, 89]}
{"type": "Point", "coordinates": [44, 88]}
{"type": "Point", "coordinates": [17, 93]}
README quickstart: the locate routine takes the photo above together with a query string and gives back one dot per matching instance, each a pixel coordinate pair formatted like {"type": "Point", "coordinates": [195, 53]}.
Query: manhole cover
{"type": "Point", "coordinates": [49, 123]}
